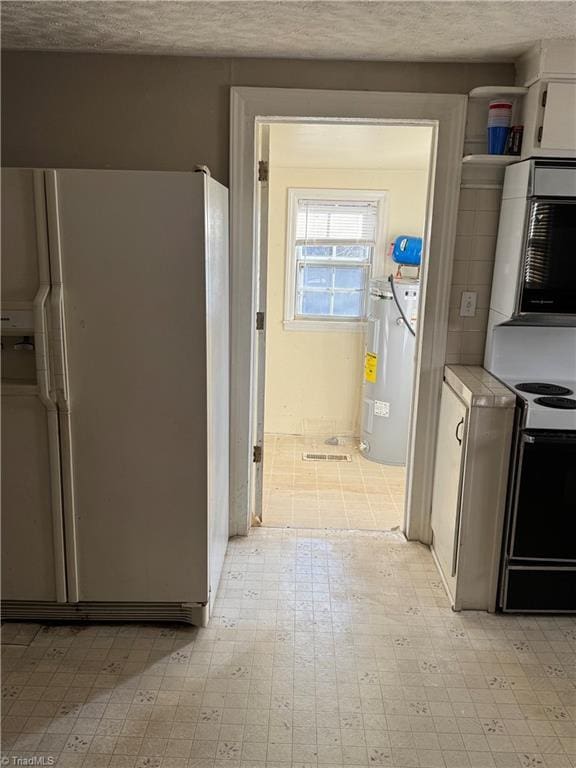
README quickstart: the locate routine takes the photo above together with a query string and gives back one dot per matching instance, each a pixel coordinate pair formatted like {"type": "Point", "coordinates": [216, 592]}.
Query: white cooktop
{"type": "Point", "coordinates": [541, 416]}
{"type": "Point", "coordinates": [536, 354]}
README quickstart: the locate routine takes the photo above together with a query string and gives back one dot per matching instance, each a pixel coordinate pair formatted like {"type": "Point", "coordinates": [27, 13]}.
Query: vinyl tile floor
{"type": "Point", "coordinates": [326, 649]}
{"type": "Point", "coordinates": [356, 494]}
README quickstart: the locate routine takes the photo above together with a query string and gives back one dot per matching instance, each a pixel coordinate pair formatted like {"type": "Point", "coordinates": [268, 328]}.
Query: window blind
{"type": "Point", "coordinates": [336, 221]}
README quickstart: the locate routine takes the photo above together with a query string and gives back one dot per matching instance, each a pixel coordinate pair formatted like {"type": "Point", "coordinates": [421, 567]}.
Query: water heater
{"type": "Point", "coordinates": [388, 371]}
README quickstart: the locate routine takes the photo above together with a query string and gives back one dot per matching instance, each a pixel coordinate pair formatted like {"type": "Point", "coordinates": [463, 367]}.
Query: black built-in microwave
{"type": "Point", "coordinates": [547, 282]}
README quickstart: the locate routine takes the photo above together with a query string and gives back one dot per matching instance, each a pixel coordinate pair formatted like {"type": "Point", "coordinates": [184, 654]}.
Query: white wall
{"type": "Point", "coordinates": [314, 378]}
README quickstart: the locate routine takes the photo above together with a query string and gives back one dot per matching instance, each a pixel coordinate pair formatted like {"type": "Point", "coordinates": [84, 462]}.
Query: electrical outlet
{"type": "Point", "coordinates": [468, 304]}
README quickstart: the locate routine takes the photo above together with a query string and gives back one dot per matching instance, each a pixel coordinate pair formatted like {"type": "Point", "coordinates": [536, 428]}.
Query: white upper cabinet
{"type": "Point", "coordinates": [558, 130]}
{"type": "Point", "coordinates": [548, 69]}
{"type": "Point", "coordinates": [550, 120]}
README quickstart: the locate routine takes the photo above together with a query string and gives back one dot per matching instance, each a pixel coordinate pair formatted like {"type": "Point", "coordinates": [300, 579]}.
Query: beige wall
{"type": "Point", "coordinates": [169, 113]}
{"type": "Point", "coordinates": [313, 379]}
{"type": "Point", "coordinates": [66, 110]}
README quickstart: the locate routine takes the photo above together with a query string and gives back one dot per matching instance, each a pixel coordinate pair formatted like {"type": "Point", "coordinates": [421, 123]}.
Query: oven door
{"type": "Point", "coordinates": [544, 508]}
{"type": "Point", "coordinates": [548, 281]}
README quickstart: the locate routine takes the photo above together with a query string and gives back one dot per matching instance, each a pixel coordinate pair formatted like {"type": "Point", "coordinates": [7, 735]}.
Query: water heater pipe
{"type": "Point", "coordinates": [407, 323]}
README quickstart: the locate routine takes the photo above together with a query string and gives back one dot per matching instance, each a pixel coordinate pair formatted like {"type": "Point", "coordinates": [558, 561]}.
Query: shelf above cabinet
{"type": "Point", "coordinates": [497, 160]}
{"type": "Point", "coordinates": [497, 91]}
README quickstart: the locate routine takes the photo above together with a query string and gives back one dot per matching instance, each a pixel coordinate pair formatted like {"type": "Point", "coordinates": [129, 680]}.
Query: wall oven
{"type": "Point", "coordinates": [547, 282]}
{"type": "Point", "coordinates": [534, 279]}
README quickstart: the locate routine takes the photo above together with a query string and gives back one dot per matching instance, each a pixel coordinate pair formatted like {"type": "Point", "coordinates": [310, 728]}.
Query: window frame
{"type": "Point", "coordinates": [376, 268]}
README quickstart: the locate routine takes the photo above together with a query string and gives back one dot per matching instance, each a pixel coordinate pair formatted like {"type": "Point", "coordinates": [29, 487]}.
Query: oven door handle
{"type": "Point", "coordinates": [564, 438]}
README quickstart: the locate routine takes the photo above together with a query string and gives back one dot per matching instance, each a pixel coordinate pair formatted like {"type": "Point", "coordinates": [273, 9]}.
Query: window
{"type": "Point", "coordinates": [333, 243]}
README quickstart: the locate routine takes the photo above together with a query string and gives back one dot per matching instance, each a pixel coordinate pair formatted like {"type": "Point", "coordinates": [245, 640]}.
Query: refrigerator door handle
{"type": "Point", "coordinates": [41, 339]}
{"type": "Point", "coordinates": [41, 347]}
{"type": "Point", "coordinates": [57, 294]}
{"type": "Point", "coordinates": [60, 372]}
{"type": "Point", "coordinates": [46, 397]}
{"type": "Point", "coordinates": [42, 359]}
{"type": "Point", "coordinates": [61, 384]}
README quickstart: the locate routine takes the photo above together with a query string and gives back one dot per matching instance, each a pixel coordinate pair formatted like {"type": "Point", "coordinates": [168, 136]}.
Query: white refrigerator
{"type": "Point", "coordinates": [123, 286]}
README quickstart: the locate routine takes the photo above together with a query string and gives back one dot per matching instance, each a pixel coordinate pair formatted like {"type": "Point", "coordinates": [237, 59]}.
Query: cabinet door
{"type": "Point", "coordinates": [32, 550]}
{"type": "Point", "coordinates": [559, 123]}
{"type": "Point", "coordinates": [19, 247]}
{"type": "Point", "coordinates": [452, 428]}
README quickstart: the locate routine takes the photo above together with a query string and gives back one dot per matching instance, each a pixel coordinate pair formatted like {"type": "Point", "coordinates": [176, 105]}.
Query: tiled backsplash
{"type": "Point", "coordinates": [476, 231]}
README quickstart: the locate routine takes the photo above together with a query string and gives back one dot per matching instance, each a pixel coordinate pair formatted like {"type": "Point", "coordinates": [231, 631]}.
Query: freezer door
{"type": "Point", "coordinates": [128, 250]}
{"type": "Point", "coordinates": [32, 554]}
{"type": "Point", "coordinates": [32, 528]}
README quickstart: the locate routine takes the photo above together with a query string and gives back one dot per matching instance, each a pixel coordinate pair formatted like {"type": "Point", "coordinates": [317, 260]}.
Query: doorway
{"type": "Point", "coordinates": [339, 198]}
{"type": "Point", "coordinates": [251, 107]}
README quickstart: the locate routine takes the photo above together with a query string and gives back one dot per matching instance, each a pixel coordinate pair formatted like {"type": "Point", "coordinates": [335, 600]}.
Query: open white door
{"type": "Point", "coordinates": [262, 171]}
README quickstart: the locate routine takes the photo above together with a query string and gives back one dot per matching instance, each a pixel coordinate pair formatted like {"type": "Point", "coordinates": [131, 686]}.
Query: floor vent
{"type": "Point", "coordinates": [326, 457]}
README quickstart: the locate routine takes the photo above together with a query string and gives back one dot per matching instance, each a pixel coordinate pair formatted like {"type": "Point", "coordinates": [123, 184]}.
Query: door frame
{"type": "Point", "coordinates": [447, 114]}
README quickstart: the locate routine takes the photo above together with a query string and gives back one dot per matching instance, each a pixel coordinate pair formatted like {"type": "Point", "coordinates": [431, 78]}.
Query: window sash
{"type": "Point", "coordinates": [333, 257]}
{"type": "Point", "coordinates": [331, 291]}
{"type": "Point", "coordinates": [361, 250]}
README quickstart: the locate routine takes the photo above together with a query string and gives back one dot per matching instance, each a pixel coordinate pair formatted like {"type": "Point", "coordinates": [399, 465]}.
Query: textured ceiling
{"type": "Point", "coordinates": [370, 147]}
{"type": "Point", "coordinates": [407, 30]}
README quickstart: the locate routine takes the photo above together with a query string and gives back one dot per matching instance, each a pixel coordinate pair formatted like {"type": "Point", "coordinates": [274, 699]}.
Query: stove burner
{"type": "Point", "coordinates": [542, 388]}
{"type": "Point", "coordinates": [566, 403]}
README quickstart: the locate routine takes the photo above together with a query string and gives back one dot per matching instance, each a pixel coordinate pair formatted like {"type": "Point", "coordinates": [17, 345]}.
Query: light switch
{"type": "Point", "coordinates": [468, 304]}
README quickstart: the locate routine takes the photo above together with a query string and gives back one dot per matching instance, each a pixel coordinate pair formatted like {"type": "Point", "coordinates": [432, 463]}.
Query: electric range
{"type": "Point", "coordinates": [538, 569]}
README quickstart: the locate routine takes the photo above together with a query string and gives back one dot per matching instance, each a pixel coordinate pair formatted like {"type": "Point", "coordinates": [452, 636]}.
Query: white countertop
{"type": "Point", "coordinates": [478, 388]}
